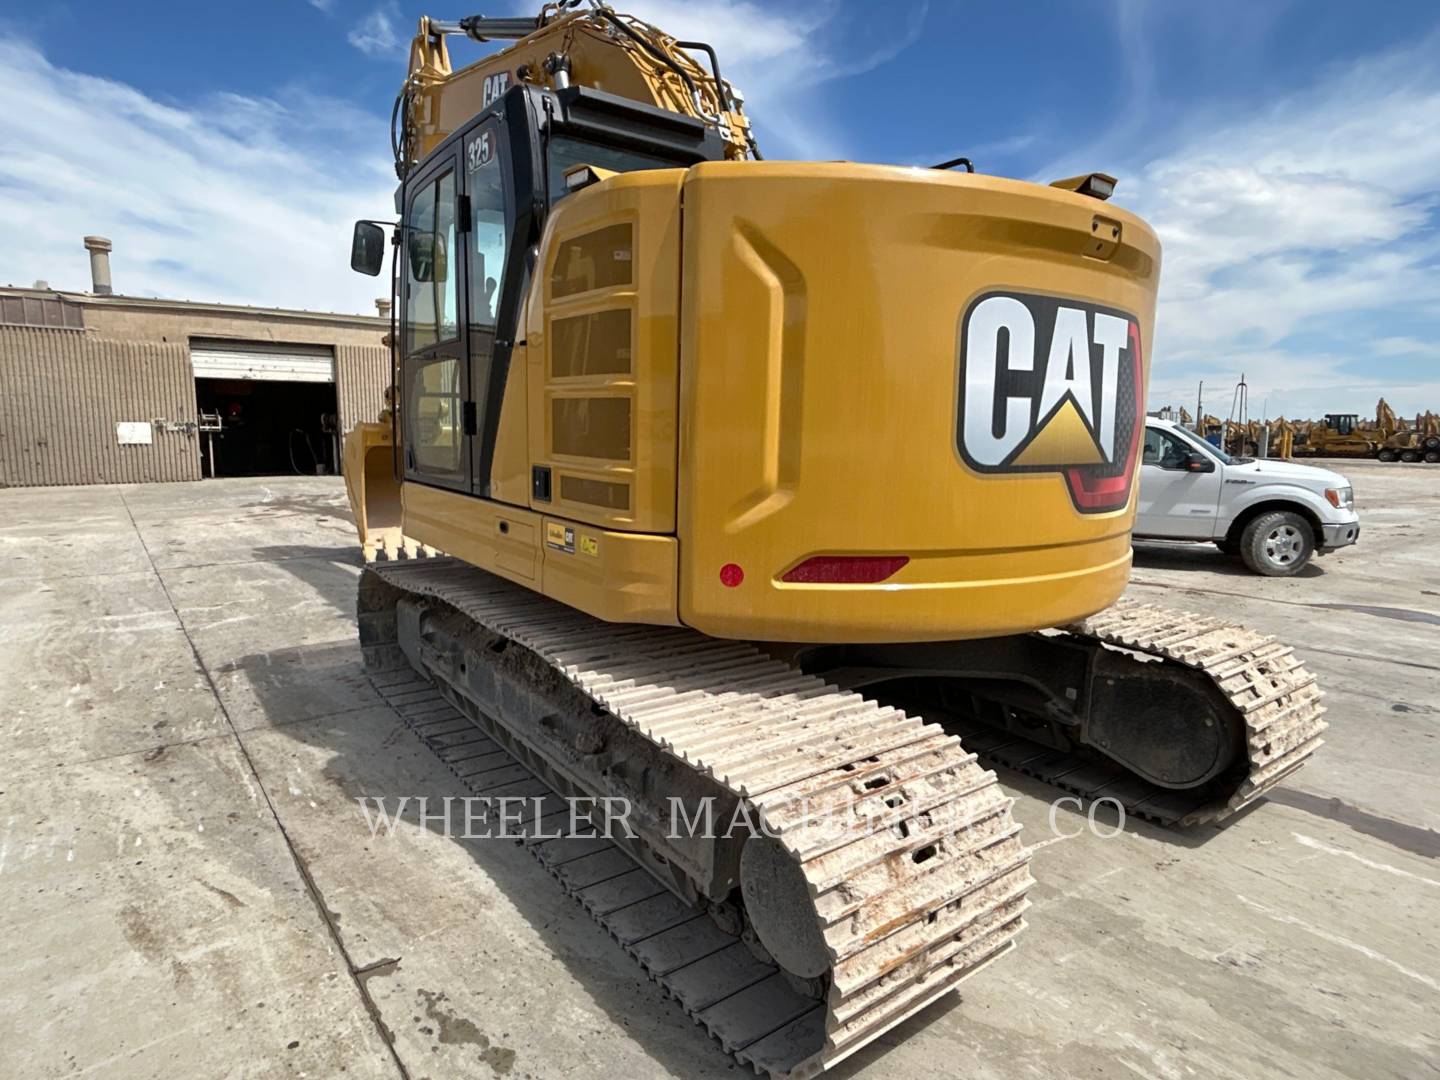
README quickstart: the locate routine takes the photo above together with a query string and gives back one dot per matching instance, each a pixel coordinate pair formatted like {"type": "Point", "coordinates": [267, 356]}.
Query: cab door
{"type": "Point", "coordinates": [492, 291]}
{"type": "Point", "coordinates": [436, 424]}
{"type": "Point", "coordinates": [1174, 502]}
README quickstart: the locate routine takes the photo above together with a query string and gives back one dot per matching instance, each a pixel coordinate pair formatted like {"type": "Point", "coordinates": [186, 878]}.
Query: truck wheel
{"type": "Point", "coordinates": [1431, 442]}
{"type": "Point", "coordinates": [1386, 455]}
{"type": "Point", "coordinates": [1432, 456]}
{"type": "Point", "coordinates": [1277, 544]}
{"type": "Point", "coordinates": [1228, 547]}
{"type": "Point", "coordinates": [1409, 455]}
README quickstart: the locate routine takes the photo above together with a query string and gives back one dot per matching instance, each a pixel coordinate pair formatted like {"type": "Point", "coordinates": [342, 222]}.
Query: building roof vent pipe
{"type": "Point", "coordinates": [99, 248]}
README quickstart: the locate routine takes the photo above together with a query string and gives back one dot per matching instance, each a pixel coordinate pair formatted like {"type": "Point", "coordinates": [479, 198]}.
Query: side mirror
{"type": "Point", "coordinates": [1197, 462]}
{"type": "Point", "coordinates": [367, 248]}
{"type": "Point", "coordinates": [428, 260]}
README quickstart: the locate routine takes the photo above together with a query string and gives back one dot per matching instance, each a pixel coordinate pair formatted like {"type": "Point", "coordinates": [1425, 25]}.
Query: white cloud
{"type": "Point", "coordinates": [250, 199]}
{"type": "Point", "coordinates": [375, 34]}
{"type": "Point", "coordinates": [1299, 238]}
{"type": "Point", "coordinates": [777, 59]}
{"type": "Point", "coordinates": [238, 199]}
{"type": "Point", "coordinates": [746, 36]}
{"type": "Point", "coordinates": [1403, 346]}
{"type": "Point", "coordinates": [1276, 389]}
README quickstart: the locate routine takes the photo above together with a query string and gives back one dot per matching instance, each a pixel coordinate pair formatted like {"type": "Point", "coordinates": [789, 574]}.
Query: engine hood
{"type": "Point", "coordinates": [1289, 472]}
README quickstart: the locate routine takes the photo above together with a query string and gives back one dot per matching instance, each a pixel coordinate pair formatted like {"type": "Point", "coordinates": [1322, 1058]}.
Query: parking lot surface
{"type": "Point", "coordinates": [190, 888]}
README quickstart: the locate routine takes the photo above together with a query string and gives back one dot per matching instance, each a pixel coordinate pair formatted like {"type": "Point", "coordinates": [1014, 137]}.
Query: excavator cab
{"type": "Point", "coordinates": [472, 214]}
{"type": "Point", "coordinates": [1342, 423]}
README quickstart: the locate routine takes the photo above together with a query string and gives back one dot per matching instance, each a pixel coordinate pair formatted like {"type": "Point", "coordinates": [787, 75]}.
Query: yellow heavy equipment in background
{"type": "Point", "coordinates": [1386, 437]}
{"type": "Point", "coordinates": [759, 483]}
{"type": "Point", "coordinates": [1337, 435]}
{"type": "Point", "coordinates": [1400, 441]}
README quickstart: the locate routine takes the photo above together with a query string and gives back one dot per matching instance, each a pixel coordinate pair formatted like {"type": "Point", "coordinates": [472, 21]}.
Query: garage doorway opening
{"type": "Point", "coordinates": [265, 428]}
{"type": "Point", "coordinates": [265, 409]}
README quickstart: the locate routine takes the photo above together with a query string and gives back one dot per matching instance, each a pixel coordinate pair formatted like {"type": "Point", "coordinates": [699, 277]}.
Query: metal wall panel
{"type": "Point", "coordinates": [66, 390]}
{"type": "Point", "coordinates": [42, 311]}
{"type": "Point", "coordinates": [362, 373]}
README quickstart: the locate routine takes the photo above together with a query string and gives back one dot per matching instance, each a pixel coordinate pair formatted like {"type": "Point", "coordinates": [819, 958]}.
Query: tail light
{"type": "Point", "coordinates": [845, 569]}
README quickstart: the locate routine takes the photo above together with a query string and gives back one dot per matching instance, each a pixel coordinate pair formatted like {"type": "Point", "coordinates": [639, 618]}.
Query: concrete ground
{"type": "Point", "coordinates": [187, 887]}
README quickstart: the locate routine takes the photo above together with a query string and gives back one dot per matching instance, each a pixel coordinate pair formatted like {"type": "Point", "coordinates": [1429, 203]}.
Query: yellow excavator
{"type": "Point", "coordinates": [784, 492]}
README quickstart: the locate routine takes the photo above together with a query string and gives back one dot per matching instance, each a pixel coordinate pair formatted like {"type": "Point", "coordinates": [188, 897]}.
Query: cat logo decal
{"type": "Point", "coordinates": [1049, 384]}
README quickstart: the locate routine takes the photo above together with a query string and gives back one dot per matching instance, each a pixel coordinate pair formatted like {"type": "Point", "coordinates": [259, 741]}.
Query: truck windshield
{"type": "Point", "coordinates": [1205, 447]}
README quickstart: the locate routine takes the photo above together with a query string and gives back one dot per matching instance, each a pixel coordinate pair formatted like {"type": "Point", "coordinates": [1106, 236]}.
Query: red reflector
{"type": "Point", "coordinates": [731, 575]}
{"type": "Point", "coordinates": [848, 569]}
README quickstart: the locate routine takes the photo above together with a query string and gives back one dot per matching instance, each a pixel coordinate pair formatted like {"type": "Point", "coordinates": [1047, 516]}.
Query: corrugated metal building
{"type": "Point", "coordinates": [100, 388]}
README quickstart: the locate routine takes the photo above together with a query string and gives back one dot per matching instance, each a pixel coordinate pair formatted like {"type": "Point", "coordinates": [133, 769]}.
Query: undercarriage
{"type": "Point", "coordinates": [804, 853]}
{"type": "Point", "coordinates": [1182, 719]}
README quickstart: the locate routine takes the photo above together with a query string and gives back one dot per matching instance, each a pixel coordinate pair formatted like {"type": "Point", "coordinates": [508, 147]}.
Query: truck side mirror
{"type": "Point", "coordinates": [1197, 462]}
{"type": "Point", "coordinates": [367, 248]}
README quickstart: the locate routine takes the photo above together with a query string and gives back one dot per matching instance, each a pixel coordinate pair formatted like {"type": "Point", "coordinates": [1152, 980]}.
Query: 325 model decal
{"type": "Point", "coordinates": [1052, 385]}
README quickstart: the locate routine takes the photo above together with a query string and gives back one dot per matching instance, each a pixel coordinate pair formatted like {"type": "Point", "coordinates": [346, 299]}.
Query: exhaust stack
{"type": "Point", "coordinates": [99, 248]}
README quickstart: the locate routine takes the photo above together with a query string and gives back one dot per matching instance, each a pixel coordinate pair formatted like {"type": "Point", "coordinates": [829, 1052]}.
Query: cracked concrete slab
{"type": "Point", "coordinates": [95, 666]}
{"type": "Point", "coordinates": [481, 966]}
{"type": "Point", "coordinates": [277, 629]}
{"type": "Point", "coordinates": [155, 925]}
{"type": "Point", "coordinates": [253, 520]}
{"type": "Point", "coordinates": [297, 683]}
{"type": "Point", "coordinates": [69, 535]}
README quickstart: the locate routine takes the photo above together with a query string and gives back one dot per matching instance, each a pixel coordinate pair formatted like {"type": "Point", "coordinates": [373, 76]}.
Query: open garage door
{"type": "Point", "coordinates": [262, 360]}
{"type": "Point", "coordinates": [265, 409]}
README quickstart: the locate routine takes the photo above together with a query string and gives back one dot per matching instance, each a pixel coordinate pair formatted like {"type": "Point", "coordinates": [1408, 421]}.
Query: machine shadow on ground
{"type": "Point", "coordinates": [1158, 555]}
{"type": "Point", "coordinates": [1071, 818]}
{"type": "Point", "coordinates": [321, 506]}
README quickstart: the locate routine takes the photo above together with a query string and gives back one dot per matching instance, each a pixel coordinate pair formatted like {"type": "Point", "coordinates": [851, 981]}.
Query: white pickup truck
{"type": "Point", "coordinates": [1273, 514]}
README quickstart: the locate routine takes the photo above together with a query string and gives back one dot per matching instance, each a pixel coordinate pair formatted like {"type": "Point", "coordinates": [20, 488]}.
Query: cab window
{"type": "Point", "coordinates": [487, 227]}
{"type": "Point", "coordinates": [433, 427]}
{"type": "Point", "coordinates": [565, 153]}
{"type": "Point", "coordinates": [432, 369]}
{"type": "Point", "coordinates": [1164, 450]}
{"type": "Point", "coordinates": [431, 299]}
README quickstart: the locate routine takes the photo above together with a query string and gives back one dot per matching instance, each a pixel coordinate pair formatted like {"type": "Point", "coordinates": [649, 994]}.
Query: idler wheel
{"type": "Point", "coordinates": [780, 908]}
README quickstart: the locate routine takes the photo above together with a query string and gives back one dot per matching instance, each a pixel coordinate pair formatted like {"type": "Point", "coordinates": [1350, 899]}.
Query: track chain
{"type": "Point", "coordinates": [1261, 678]}
{"type": "Point", "coordinates": [919, 882]}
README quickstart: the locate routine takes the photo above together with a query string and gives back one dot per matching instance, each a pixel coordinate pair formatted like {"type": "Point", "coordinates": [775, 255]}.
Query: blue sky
{"type": "Point", "coordinates": [1288, 153]}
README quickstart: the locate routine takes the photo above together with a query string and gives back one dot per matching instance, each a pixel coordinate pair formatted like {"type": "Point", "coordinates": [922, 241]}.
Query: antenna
{"type": "Point", "coordinates": [1239, 411]}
